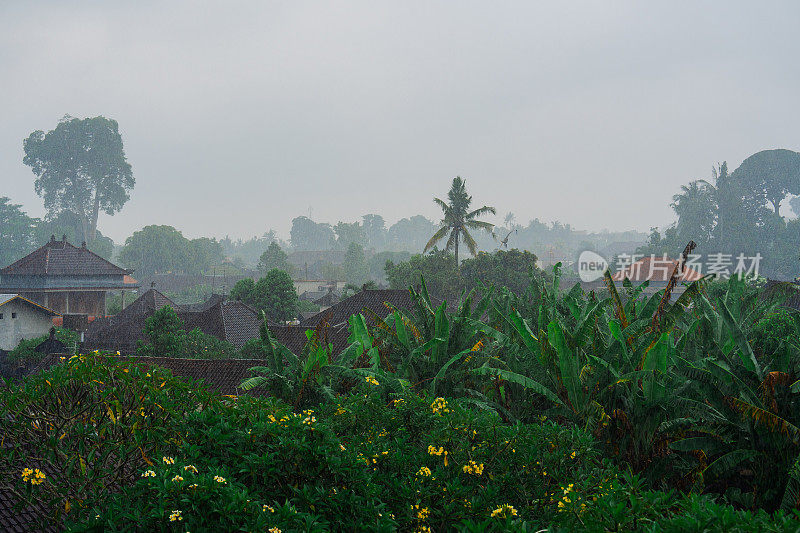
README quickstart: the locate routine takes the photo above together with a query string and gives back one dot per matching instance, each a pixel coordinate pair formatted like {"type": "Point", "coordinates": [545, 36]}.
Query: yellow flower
{"type": "Point", "coordinates": [168, 460]}
{"type": "Point", "coordinates": [423, 513]}
{"type": "Point", "coordinates": [340, 411]}
{"type": "Point", "coordinates": [424, 472]}
{"type": "Point", "coordinates": [193, 486]}
{"type": "Point", "coordinates": [439, 405]}
{"type": "Point", "coordinates": [220, 479]}
{"type": "Point", "coordinates": [175, 516]}
{"type": "Point", "coordinates": [268, 508]}
{"type": "Point", "coordinates": [473, 468]}
{"type": "Point", "coordinates": [149, 473]}
{"type": "Point", "coordinates": [274, 530]}
{"type": "Point", "coordinates": [504, 511]}
{"type": "Point", "coordinates": [177, 479]}
{"type": "Point", "coordinates": [341, 447]}
{"type": "Point", "coordinates": [423, 529]}
{"type": "Point", "coordinates": [371, 381]}
{"type": "Point", "coordinates": [35, 476]}
{"type": "Point", "coordinates": [190, 468]}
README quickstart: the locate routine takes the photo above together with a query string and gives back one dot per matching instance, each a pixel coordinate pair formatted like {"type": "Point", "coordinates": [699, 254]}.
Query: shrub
{"type": "Point", "coordinates": [90, 425]}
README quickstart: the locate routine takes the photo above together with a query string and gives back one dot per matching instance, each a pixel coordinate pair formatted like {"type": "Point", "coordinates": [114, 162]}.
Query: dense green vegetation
{"type": "Point", "coordinates": [274, 294]}
{"type": "Point", "coordinates": [166, 337]}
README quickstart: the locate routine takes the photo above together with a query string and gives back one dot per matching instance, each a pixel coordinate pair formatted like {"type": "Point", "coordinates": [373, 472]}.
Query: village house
{"type": "Point", "coordinates": [21, 319]}
{"type": "Point", "coordinates": [66, 278]}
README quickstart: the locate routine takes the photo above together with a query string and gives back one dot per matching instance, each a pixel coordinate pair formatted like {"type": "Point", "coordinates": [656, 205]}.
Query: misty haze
{"type": "Point", "coordinates": [399, 266]}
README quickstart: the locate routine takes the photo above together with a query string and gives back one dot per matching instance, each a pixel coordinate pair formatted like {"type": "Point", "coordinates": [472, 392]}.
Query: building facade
{"type": "Point", "coordinates": [66, 278]}
{"type": "Point", "coordinates": [22, 319]}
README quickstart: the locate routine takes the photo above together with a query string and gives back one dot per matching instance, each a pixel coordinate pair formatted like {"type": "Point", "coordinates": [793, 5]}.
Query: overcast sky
{"type": "Point", "coordinates": [238, 116]}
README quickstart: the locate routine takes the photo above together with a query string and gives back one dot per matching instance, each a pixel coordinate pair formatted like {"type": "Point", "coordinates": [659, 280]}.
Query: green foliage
{"type": "Point", "coordinates": [160, 249]}
{"type": "Point", "coordinates": [80, 168]}
{"type": "Point", "coordinates": [165, 334]}
{"type": "Point", "coordinates": [199, 345]}
{"type": "Point", "coordinates": [91, 424]}
{"type": "Point", "coordinates": [274, 258]}
{"type": "Point", "coordinates": [309, 235]}
{"type": "Point", "coordinates": [274, 294]}
{"type": "Point", "coordinates": [504, 268]}
{"type": "Point", "coordinates": [437, 268]}
{"type": "Point", "coordinates": [356, 270]}
{"type": "Point", "coordinates": [16, 231]}
{"type": "Point", "coordinates": [25, 349]}
{"type": "Point", "coordinates": [458, 220]}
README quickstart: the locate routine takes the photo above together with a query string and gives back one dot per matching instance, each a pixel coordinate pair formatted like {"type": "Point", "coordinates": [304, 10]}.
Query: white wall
{"type": "Point", "coordinates": [29, 324]}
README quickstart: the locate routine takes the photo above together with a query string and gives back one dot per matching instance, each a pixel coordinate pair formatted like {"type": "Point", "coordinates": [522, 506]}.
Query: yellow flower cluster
{"type": "Point", "coordinates": [371, 381]}
{"type": "Point", "coordinates": [220, 479]}
{"type": "Point", "coordinates": [268, 508]}
{"type": "Point", "coordinates": [193, 486]}
{"type": "Point", "coordinates": [309, 419]}
{"type": "Point", "coordinates": [440, 451]}
{"type": "Point", "coordinates": [423, 513]}
{"type": "Point", "coordinates": [504, 511]}
{"type": "Point", "coordinates": [423, 529]}
{"type": "Point", "coordinates": [190, 468]}
{"type": "Point", "coordinates": [399, 401]}
{"type": "Point", "coordinates": [473, 468]}
{"type": "Point", "coordinates": [175, 516]}
{"type": "Point", "coordinates": [34, 477]}
{"type": "Point", "coordinates": [275, 529]}
{"type": "Point", "coordinates": [478, 346]}
{"type": "Point", "coordinates": [439, 405]}
{"type": "Point", "coordinates": [149, 473]}
{"type": "Point", "coordinates": [340, 411]}
{"type": "Point", "coordinates": [177, 479]}
{"type": "Point", "coordinates": [424, 472]}
{"type": "Point", "coordinates": [168, 460]}
{"type": "Point", "coordinates": [566, 499]}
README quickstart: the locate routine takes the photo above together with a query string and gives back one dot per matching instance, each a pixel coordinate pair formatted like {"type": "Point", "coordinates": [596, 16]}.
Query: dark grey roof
{"type": "Point", "coordinates": [60, 258]}
{"type": "Point", "coordinates": [378, 301]}
{"type": "Point", "coordinates": [231, 321]}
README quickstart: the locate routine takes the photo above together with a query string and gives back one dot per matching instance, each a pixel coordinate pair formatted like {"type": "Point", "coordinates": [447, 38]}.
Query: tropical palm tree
{"type": "Point", "coordinates": [458, 220]}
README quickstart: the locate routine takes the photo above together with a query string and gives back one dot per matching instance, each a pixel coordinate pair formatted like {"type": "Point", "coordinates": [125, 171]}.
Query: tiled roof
{"type": "Point", "coordinates": [147, 304]}
{"type": "Point", "coordinates": [374, 300]}
{"type": "Point", "coordinates": [13, 520]}
{"type": "Point", "coordinates": [60, 258]}
{"type": "Point", "coordinates": [220, 375]}
{"type": "Point", "coordinates": [231, 321]}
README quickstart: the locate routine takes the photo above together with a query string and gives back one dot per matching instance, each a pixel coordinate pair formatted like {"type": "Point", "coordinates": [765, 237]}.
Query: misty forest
{"type": "Point", "coordinates": [463, 365]}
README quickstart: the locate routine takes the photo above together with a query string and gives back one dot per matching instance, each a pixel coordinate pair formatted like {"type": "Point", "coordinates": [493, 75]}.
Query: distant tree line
{"type": "Point", "coordinates": [738, 212]}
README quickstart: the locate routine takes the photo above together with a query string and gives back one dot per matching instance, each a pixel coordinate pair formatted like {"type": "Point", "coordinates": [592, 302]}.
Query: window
{"type": "Point", "coordinates": [13, 315]}
{"type": "Point", "coordinates": [1, 316]}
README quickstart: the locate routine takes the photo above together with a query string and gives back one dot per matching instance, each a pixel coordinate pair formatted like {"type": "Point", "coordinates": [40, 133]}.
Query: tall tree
{"type": "Point", "coordinates": [81, 168]}
{"type": "Point", "coordinates": [274, 257]}
{"type": "Point", "coordinates": [16, 232]}
{"type": "Point", "coordinates": [696, 210]}
{"type": "Point", "coordinates": [458, 220]}
{"type": "Point", "coordinates": [356, 270]}
{"type": "Point", "coordinates": [772, 174]}
{"type": "Point", "coordinates": [348, 233]}
{"type": "Point", "coordinates": [375, 229]}
{"type": "Point", "coordinates": [309, 235]}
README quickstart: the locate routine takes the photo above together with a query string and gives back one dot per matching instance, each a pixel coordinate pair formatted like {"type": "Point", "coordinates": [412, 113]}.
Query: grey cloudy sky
{"type": "Point", "coordinates": [238, 116]}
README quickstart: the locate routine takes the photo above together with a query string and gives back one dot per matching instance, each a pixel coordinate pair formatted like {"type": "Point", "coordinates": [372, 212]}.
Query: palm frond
{"type": "Point", "coordinates": [472, 246]}
{"type": "Point", "coordinates": [481, 211]}
{"type": "Point", "coordinates": [438, 236]}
